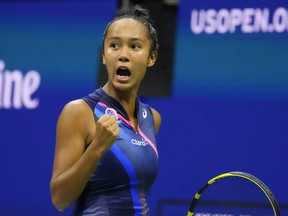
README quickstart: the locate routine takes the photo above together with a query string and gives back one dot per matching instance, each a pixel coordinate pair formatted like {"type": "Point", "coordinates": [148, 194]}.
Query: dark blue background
{"type": "Point", "coordinates": [212, 124]}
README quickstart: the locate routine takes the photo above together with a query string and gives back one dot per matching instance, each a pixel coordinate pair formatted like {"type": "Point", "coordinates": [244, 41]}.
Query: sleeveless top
{"type": "Point", "coordinates": [120, 183]}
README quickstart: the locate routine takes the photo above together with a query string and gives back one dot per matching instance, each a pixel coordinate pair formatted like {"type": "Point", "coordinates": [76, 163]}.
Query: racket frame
{"type": "Point", "coordinates": [247, 176]}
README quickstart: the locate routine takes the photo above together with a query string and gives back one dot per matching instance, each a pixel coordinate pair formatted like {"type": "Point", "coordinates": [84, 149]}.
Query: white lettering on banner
{"type": "Point", "coordinates": [16, 89]}
{"type": "Point", "coordinates": [247, 20]}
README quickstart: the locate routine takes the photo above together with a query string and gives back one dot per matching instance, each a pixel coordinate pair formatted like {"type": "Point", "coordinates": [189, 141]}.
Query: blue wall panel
{"type": "Point", "coordinates": [61, 41]}
{"type": "Point", "coordinates": [228, 111]}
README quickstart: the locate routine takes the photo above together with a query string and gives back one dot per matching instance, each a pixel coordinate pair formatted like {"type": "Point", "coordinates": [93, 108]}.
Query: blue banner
{"type": "Point", "coordinates": [49, 54]}
{"type": "Point", "coordinates": [228, 111]}
{"type": "Point", "coordinates": [232, 49]}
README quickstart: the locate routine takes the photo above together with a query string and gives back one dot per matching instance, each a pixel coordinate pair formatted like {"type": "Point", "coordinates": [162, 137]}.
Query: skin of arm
{"type": "Point", "coordinates": [80, 143]}
{"type": "Point", "coordinates": [157, 119]}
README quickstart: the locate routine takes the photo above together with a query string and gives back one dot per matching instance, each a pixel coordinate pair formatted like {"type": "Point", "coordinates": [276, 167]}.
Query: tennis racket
{"type": "Point", "coordinates": [234, 193]}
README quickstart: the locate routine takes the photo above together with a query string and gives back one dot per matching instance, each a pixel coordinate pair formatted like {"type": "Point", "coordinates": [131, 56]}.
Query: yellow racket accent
{"type": "Point", "coordinates": [244, 175]}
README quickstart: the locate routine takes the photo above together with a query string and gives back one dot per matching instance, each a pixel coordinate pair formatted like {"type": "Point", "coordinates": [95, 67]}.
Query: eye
{"type": "Point", "coordinates": [136, 46]}
{"type": "Point", "coordinates": [114, 45]}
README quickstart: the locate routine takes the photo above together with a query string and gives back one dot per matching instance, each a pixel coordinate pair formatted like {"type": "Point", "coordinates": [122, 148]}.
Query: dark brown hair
{"type": "Point", "coordinates": [141, 15]}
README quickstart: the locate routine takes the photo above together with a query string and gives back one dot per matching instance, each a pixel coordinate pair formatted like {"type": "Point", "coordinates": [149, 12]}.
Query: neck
{"type": "Point", "coordinates": [126, 99]}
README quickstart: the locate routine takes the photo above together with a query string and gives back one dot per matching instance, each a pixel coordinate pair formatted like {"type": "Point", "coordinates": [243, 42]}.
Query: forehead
{"type": "Point", "coordinates": [127, 27]}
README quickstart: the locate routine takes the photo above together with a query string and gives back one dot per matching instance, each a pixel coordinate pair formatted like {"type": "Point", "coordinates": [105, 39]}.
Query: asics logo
{"type": "Point", "coordinates": [144, 113]}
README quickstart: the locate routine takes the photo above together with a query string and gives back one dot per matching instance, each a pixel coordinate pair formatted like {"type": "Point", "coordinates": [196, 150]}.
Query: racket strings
{"type": "Point", "coordinates": [233, 196]}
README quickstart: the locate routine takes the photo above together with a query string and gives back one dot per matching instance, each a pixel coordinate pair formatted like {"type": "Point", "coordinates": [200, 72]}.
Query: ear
{"type": "Point", "coordinates": [103, 59]}
{"type": "Point", "coordinates": [152, 59]}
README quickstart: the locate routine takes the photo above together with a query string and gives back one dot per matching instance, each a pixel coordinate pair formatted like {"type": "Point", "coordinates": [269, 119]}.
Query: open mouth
{"type": "Point", "coordinates": [123, 71]}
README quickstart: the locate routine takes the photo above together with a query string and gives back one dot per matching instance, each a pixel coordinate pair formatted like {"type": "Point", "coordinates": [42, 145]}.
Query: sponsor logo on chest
{"type": "Point", "coordinates": [141, 142]}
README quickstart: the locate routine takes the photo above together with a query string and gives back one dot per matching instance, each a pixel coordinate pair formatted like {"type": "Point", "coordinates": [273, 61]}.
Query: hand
{"type": "Point", "coordinates": [106, 132]}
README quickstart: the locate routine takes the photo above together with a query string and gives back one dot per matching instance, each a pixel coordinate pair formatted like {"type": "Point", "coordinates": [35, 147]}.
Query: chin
{"type": "Point", "coordinates": [124, 87]}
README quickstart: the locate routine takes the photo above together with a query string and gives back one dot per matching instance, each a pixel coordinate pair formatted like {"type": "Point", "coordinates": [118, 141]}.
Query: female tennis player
{"type": "Point", "coordinates": [105, 156]}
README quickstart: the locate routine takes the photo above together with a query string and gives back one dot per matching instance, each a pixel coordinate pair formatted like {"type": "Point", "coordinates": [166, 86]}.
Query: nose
{"type": "Point", "coordinates": [124, 57]}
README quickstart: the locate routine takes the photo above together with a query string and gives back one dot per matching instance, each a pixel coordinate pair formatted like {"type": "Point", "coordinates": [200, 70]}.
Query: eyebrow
{"type": "Point", "coordinates": [119, 38]}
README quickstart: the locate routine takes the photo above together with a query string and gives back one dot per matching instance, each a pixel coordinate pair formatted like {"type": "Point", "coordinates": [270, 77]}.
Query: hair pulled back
{"type": "Point", "coordinates": [141, 15]}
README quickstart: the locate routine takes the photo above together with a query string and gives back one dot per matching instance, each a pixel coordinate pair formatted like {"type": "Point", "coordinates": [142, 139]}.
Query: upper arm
{"type": "Point", "coordinates": [157, 119]}
{"type": "Point", "coordinates": [72, 134]}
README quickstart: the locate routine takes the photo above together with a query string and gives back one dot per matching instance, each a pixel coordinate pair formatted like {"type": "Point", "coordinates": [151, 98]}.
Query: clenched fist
{"type": "Point", "coordinates": [106, 132]}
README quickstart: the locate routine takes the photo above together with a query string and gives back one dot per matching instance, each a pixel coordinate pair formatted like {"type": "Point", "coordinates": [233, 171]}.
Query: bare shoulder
{"type": "Point", "coordinates": [157, 119]}
{"type": "Point", "coordinates": [77, 117]}
{"type": "Point", "coordinates": [75, 107]}
{"type": "Point", "coordinates": [76, 111]}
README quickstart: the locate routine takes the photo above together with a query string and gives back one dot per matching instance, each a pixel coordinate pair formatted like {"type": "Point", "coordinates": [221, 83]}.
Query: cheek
{"type": "Point", "coordinates": [143, 59]}
{"type": "Point", "coordinates": [109, 56]}
{"type": "Point", "coordinates": [108, 65]}
{"type": "Point", "coordinates": [142, 69]}
{"type": "Point", "coordinates": [108, 60]}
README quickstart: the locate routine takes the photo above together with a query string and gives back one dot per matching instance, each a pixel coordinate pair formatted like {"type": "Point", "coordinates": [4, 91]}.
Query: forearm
{"type": "Point", "coordinates": [68, 186]}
